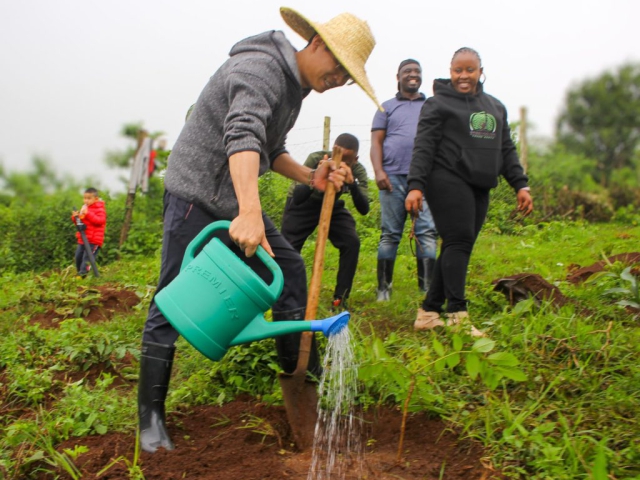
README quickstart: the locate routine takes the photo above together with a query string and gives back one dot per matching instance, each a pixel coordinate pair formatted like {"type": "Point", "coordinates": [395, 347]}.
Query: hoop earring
{"type": "Point", "coordinates": [483, 80]}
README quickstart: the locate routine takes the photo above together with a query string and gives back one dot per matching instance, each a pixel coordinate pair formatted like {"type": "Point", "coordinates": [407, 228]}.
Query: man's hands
{"type": "Point", "coordinates": [247, 232]}
{"type": "Point", "coordinates": [377, 143]}
{"type": "Point", "coordinates": [348, 179]}
{"type": "Point", "coordinates": [382, 180]}
{"type": "Point", "coordinates": [247, 229]}
{"type": "Point", "coordinates": [327, 172]}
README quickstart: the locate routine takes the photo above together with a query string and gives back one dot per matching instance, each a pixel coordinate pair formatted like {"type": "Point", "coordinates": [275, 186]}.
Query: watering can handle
{"type": "Point", "coordinates": [205, 235]}
{"type": "Point", "coordinates": [200, 239]}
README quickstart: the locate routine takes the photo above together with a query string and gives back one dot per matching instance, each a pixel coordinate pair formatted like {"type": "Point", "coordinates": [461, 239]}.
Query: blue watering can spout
{"type": "Point", "coordinates": [259, 328]}
{"type": "Point", "coordinates": [331, 326]}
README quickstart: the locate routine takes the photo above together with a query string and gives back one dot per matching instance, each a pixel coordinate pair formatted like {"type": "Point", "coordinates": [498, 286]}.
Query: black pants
{"type": "Point", "coordinates": [182, 222]}
{"type": "Point", "coordinates": [459, 210]}
{"type": "Point", "coordinates": [299, 221]}
{"type": "Point", "coordinates": [82, 259]}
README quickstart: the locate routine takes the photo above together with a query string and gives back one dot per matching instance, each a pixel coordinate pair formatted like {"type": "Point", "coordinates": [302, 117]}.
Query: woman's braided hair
{"type": "Point", "coordinates": [467, 50]}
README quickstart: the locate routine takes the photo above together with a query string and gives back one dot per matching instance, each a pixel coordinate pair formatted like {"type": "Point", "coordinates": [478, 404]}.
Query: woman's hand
{"type": "Point", "coordinates": [525, 202]}
{"type": "Point", "coordinates": [413, 202]}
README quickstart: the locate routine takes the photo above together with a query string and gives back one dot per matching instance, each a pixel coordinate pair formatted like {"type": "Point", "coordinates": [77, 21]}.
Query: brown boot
{"type": "Point", "coordinates": [427, 320]}
{"type": "Point", "coordinates": [462, 319]}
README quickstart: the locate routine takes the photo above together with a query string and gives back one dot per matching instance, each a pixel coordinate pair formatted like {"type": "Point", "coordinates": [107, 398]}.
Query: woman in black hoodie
{"type": "Point", "coordinates": [463, 144]}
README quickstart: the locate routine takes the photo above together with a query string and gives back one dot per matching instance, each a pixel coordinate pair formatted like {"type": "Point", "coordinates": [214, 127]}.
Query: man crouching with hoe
{"type": "Point", "coordinates": [235, 133]}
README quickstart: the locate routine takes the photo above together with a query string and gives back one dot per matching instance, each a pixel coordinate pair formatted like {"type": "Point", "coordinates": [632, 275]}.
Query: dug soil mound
{"type": "Point", "coordinates": [251, 441]}
{"type": "Point", "coordinates": [93, 304]}
{"type": "Point", "coordinates": [580, 274]}
{"type": "Point", "coordinates": [522, 286]}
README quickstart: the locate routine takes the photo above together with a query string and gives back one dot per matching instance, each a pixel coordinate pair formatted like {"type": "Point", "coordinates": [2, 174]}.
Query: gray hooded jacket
{"type": "Point", "coordinates": [249, 104]}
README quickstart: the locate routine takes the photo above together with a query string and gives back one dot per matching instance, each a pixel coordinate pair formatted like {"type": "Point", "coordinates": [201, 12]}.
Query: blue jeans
{"type": "Point", "coordinates": [82, 259]}
{"type": "Point", "coordinates": [394, 216]}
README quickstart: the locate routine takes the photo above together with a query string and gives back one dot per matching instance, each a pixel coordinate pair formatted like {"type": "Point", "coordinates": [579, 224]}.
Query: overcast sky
{"type": "Point", "coordinates": [72, 72]}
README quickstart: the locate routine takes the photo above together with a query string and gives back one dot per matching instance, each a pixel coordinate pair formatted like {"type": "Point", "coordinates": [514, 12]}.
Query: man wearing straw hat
{"type": "Point", "coordinates": [235, 133]}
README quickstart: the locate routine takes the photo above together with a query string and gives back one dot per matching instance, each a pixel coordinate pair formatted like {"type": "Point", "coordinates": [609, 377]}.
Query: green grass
{"type": "Point", "coordinates": [554, 395]}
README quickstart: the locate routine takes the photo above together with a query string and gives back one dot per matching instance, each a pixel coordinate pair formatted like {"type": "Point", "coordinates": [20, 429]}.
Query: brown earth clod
{"type": "Point", "coordinates": [580, 274]}
{"type": "Point", "coordinates": [529, 285]}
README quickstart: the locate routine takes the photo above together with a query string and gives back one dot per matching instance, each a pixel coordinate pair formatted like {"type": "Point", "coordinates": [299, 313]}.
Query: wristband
{"type": "Point", "coordinates": [528, 189]}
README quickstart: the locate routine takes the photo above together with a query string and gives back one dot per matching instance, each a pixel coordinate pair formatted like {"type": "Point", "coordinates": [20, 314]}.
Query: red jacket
{"type": "Point", "coordinates": [95, 219]}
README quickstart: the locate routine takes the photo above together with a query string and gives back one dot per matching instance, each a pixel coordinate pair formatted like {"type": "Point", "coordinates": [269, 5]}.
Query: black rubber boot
{"type": "Point", "coordinates": [288, 346]}
{"type": "Point", "coordinates": [426, 267]}
{"type": "Point", "coordinates": [385, 279]}
{"type": "Point", "coordinates": [155, 370]}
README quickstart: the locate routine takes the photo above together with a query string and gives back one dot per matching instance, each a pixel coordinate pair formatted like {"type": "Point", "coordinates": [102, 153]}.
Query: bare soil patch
{"type": "Point", "coordinates": [94, 372]}
{"type": "Point", "coordinates": [580, 274]}
{"type": "Point", "coordinates": [529, 285]}
{"type": "Point", "coordinates": [214, 443]}
{"type": "Point", "coordinates": [105, 302]}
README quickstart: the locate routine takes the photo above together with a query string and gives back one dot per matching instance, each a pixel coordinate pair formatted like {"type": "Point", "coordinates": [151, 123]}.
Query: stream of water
{"type": "Point", "coordinates": [338, 448]}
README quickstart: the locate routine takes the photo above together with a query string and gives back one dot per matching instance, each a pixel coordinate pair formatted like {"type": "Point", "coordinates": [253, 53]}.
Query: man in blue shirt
{"type": "Point", "coordinates": [392, 135]}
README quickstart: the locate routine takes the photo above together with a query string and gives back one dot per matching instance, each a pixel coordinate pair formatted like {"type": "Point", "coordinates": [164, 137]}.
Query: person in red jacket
{"type": "Point", "coordinates": [94, 216]}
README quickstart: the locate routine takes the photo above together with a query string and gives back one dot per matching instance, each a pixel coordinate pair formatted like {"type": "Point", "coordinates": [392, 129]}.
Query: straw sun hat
{"type": "Point", "coordinates": [349, 39]}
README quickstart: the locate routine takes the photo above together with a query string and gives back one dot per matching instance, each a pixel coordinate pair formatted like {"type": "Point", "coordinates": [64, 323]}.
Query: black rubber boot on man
{"type": "Point", "coordinates": [155, 371]}
{"type": "Point", "coordinates": [426, 267]}
{"type": "Point", "coordinates": [385, 279]}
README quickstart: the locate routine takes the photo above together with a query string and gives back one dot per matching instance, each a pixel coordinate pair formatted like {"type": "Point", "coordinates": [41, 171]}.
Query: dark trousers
{"type": "Point", "coordinates": [82, 259]}
{"type": "Point", "coordinates": [182, 222]}
{"type": "Point", "coordinates": [299, 221]}
{"type": "Point", "coordinates": [459, 210]}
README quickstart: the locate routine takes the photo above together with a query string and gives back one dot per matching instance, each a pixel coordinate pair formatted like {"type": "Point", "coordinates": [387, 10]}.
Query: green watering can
{"type": "Point", "coordinates": [217, 301]}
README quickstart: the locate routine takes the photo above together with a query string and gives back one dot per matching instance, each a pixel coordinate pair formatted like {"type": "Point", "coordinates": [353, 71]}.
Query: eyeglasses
{"type": "Point", "coordinates": [345, 76]}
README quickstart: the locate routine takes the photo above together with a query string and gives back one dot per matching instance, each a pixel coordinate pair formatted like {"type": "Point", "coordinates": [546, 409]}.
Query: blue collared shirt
{"type": "Point", "coordinates": [400, 121]}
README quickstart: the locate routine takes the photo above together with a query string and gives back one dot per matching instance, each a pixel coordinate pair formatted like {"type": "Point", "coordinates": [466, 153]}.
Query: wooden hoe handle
{"type": "Point", "coordinates": [318, 264]}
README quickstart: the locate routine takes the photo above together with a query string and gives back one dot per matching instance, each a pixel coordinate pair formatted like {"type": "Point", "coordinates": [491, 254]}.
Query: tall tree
{"type": "Point", "coordinates": [601, 119]}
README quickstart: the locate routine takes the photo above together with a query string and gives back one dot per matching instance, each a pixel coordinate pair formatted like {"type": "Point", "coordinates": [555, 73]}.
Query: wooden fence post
{"type": "Point", "coordinates": [327, 133]}
{"type": "Point", "coordinates": [131, 196]}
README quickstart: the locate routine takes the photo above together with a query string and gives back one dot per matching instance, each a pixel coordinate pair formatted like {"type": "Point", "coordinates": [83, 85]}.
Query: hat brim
{"type": "Point", "coordinates": [307, 29]}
